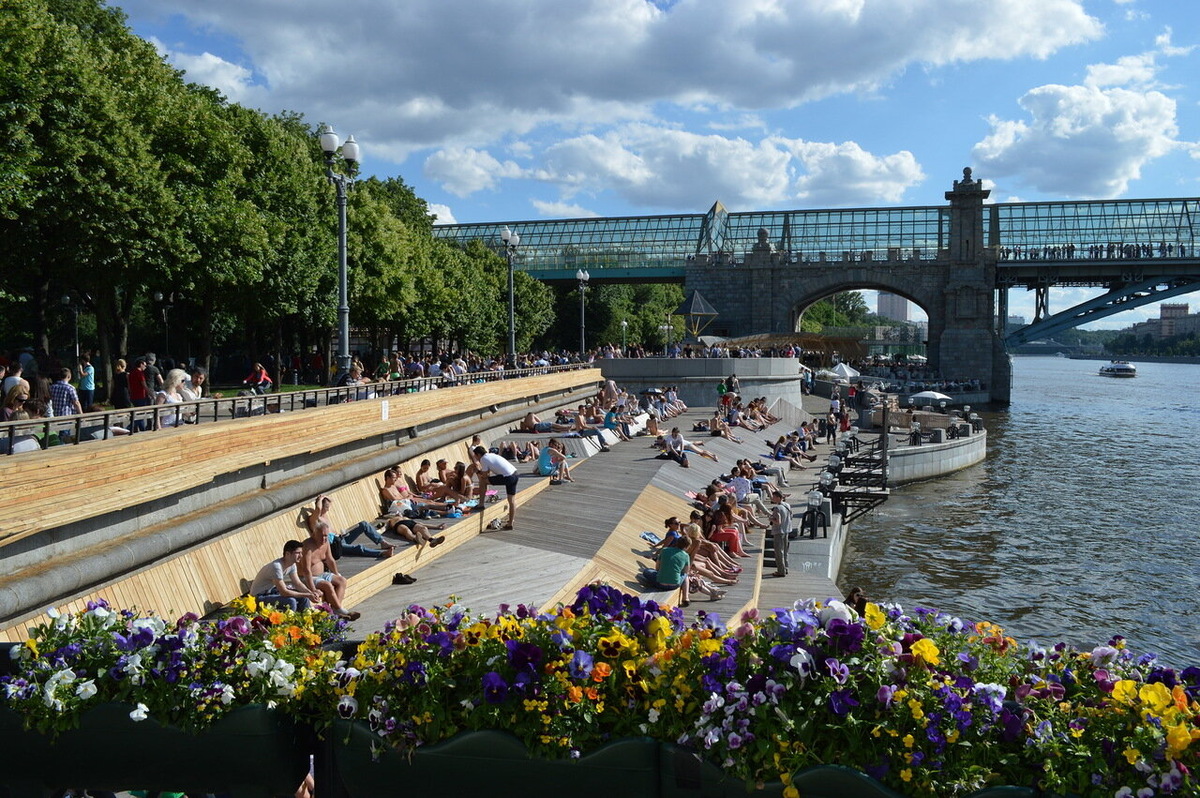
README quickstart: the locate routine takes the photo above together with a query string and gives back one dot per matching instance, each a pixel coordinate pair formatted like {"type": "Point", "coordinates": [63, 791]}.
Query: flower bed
{"type": "Point", "coordinates": [921, 702]}
{"type": "Point", "coordinates": [192, 704]}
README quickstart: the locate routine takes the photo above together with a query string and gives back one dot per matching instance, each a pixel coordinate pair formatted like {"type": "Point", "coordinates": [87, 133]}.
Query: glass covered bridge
{"type": "Point", "coordinates": [1027, 238]}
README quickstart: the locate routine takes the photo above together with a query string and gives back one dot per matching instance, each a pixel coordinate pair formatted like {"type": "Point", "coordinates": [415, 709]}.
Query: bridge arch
{"type": "Point", "coordinates": [814, 292]}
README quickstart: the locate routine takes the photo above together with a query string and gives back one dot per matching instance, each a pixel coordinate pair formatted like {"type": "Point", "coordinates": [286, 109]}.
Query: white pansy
{"type": "Point", "coordinates": [86, 690]}
{"type": "Point", "coordinates": [140, 712]}
{"type": "Point", "coordinates": [836, 609]}
{"type": "Point", "coordinates": [227, 695]}
{"type": "Point", "coordinates": [803, 662]}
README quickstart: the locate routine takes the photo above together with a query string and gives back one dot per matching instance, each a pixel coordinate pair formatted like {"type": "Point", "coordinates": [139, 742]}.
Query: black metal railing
{"type": "Point", "coordinates": [38, 434]}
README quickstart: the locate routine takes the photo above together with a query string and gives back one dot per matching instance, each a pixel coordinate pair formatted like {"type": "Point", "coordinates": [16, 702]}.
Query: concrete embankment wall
{"type": "Point", "coordinates": [76, 519]}
{"type": "Point", "coordinates": [929, 460]}
{"type": "Point", "coordinates": [697, 378]}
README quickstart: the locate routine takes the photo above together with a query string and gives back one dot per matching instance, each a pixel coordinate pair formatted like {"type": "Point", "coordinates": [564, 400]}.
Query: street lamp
{"type": "Point", "coordinates": [342, 182]}
{"type": "Point", "coordinates": [510, 241]}
{"type": "Point", "coordinates": [165, 303]}
{"type": "Point", "coordinates": [582, 276]}
{"type": "Point", "coordinates": [71, 305]}
{"type": "Point", "coordinates": [624, 328]}
{"type": "Point", "coordinates": [665, 329]}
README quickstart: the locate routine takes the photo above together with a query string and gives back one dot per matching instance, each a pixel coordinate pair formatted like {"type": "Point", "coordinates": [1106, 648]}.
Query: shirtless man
{"type": "Point", "coordinates": [531, 423]}
{"type": "Point", "coordinates": [317, 569]}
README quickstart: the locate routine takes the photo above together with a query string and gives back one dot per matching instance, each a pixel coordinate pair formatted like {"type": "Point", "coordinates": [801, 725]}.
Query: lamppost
{"type": "Point", "coordinates": [624, 328]}
{"type": "Point", "coordinates": [165, 303]}
{"type": "Point", "coordinates": [665, 329]}
{"type": "Point", "coordinates": [582, 276]}
{"type": "Point", "coordinates": [342, 182]}
{"type": "Point", "coordinates": [510, 240]}
{"type": "Point", "coordinates": [72, 306]}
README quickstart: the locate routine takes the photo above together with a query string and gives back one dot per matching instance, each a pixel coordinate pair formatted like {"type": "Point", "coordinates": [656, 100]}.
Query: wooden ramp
{"type": "Point", "coordinates": [572, 535]}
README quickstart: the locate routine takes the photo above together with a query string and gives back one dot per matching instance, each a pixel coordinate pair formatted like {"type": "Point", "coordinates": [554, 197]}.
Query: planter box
{"type": "Point", "coordinates": [252, 751]}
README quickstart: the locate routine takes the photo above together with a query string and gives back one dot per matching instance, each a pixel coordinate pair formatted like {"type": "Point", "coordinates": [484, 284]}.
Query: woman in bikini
{"type": "Point", "coordinates": [431, 488]}
{"type": "Point", "coordinates": [394, 492]}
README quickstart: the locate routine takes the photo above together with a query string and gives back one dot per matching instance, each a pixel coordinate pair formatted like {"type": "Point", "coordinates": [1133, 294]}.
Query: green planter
{"type": "Point", "coordinates": [493, 763]}
{"type": "Point", "coordinates": [486, 763]}
{"type": "Point", "coordinates": [252, 751]}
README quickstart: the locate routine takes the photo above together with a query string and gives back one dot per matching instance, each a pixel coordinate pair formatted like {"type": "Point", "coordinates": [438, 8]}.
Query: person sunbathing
{"type": "Point", "coordinates": [413, 531]}
{"type": "Point", "coordinates": [553, 462]}
{"type": "Point", "coordinates": [717, 428]}
{"type": "Point", "coordinates": [431, 488]}
{"type": "Point", "coordinates": [394, 495]}
{"type": "Point", "coordinates": [725, 531]}
{"type": "Point", "coordinates": [703, 561]}
{"type": "Point", "coordinates": [531, 423]}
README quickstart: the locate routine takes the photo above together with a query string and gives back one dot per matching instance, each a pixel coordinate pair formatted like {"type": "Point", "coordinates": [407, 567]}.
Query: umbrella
{"type": "Point", "coordinates": [930, 396]}
{"type": "Point", "coordinates": [651, 392]}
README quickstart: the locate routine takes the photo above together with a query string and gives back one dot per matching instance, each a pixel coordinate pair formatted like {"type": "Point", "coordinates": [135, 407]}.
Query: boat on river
{"type": "Point", "coordinates": [1118, 368]}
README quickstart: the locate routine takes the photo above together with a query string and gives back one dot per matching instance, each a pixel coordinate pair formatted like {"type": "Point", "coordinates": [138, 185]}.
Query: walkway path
{"type": "Point", "coordinates": [561, 530]}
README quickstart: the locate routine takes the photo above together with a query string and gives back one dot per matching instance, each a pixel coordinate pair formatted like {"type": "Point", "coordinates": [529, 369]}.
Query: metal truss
{"type": "Point", "coordinates": [1119, 298]}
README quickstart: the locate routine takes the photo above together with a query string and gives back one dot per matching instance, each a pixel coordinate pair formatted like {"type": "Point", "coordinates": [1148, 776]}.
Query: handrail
{"type": "Point", "coordinates": [155, 417]}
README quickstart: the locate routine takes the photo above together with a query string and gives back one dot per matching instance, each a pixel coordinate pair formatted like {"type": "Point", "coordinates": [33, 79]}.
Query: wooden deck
{"type": "Point", "coordinates": [570, 535]}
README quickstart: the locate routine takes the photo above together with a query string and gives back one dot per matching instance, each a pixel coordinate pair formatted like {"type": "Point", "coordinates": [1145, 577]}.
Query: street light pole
{"type": "Point", "coordinates": [342, 182]}
{"type": "Point", "coordinates": [510, 241]}
{"type": "Point", "coordinates": [165, 303]}
{"type": "Point", "coordinates": [583, 277]}
{"type": "Point", "coordinates": [624, 327]}
{"type": "Point", "coordinates": [74, 308]}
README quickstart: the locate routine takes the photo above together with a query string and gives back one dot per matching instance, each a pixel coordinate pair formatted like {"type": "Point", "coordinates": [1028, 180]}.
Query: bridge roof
{"type": "Point", "coordinates": [659, 247]}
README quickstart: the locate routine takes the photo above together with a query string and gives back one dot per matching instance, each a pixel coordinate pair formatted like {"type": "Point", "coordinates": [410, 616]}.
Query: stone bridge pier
{"type": "Point", "coordinates": [767, 293]}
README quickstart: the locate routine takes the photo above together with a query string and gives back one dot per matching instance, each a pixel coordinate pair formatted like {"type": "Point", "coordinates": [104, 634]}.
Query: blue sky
{"type": "Point", "coordinates": [524, 109]}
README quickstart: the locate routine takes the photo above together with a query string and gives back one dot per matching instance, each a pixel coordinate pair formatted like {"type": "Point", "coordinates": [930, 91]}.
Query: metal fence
{"type": "Point", "coordinates": [38, 434]}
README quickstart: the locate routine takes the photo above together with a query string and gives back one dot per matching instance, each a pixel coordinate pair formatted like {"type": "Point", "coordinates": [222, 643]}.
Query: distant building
{"type": "Point", "coordinates": [892, 307]}
{"type": "Point", "coordinates": [1173, 319]}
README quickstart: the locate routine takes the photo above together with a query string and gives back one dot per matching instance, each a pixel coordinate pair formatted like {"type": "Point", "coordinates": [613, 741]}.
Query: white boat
{"type": "Point", "coordinates": [1118, 368]}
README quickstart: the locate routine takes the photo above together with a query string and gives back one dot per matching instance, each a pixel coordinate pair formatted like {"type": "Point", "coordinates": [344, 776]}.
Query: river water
{"type": "Point", "coordinates": [1082, 523]}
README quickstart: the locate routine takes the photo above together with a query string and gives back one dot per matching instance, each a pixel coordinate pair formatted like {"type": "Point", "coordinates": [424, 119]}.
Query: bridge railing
{"type": "Point", "coordinates": [42, 433]}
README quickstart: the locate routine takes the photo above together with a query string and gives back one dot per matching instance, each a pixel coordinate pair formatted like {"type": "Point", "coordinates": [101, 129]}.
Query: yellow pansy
{"type": "Point", "coordinates": [1125, 691]}
{"type": "Point", "coordinates": [917, 711]}
{"type": "Point", "coordinates": [1132, 755]}
{"type": "Point", "coordinates": [908, 741]}
{"type": "Point", "coordinates": [927, 651]}
{"type": "Point", "coordinates": [1178, 739]}
{"type": "Point", "coordinates": [906, 774]}
{"type": "Point", "coordinates": [875, 617]}
{"type": "Point", "coordinates": [1156, 697]}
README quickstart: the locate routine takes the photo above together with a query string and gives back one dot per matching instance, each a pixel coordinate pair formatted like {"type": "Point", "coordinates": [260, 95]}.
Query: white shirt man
{"type": "Point", "coordinates": [493, 469]}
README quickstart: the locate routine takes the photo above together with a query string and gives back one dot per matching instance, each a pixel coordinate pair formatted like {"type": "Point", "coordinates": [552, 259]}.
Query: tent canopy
{"type": "Point", "coordinates": [843, 370]}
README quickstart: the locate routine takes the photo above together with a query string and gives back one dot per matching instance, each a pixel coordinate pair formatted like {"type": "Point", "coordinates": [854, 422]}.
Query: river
{"type": "Point", "coordinates": [1082, 523]}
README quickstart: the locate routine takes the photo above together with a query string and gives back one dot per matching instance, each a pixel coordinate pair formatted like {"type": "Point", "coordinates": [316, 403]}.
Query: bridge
{"type": "Point", "coordinates": [761, 269]}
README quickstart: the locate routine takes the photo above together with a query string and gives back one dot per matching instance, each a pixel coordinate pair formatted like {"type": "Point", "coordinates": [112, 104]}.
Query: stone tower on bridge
{"type": "Point", "coordinates": [767, 290]}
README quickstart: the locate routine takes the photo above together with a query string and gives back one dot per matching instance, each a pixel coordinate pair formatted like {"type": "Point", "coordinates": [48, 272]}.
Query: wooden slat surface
{"type": "Point", "coordinates": [42, 489]}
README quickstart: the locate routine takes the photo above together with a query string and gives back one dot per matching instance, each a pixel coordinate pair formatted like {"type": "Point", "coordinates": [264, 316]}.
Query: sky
{"type": "Point", "coordinates": [506, 110]}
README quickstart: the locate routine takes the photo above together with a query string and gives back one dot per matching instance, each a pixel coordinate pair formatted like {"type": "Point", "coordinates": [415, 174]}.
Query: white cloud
{"type": "Point", "coordinates": [443, 213]}
{"type": "Point", "coordinates": [659, 167]}
{"type": "Point", "coordinates": [1089, 140]}
{"type": "Point", "coordinates": [563, 210]}
{"type": "Point", "coordinates": [463, 171]}
{"type": "Point", "coordinates": [421, 73]}
{"type": "Point", "coordinates": [846, 174]}
{"type": "Point", "coordinates": [232, 80]}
